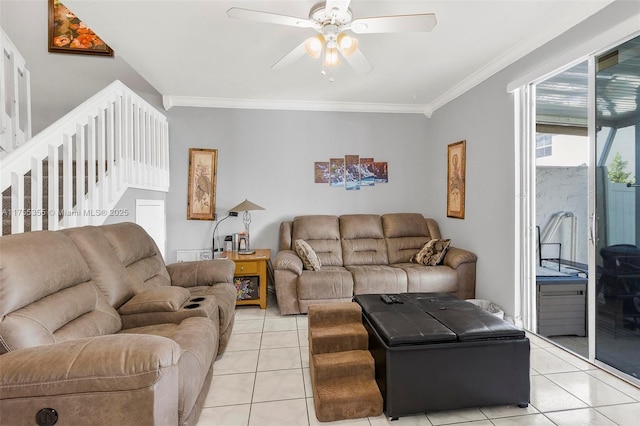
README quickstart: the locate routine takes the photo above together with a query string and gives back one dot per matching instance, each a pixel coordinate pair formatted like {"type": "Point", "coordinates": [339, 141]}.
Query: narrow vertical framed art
{"type": "Point", "coordinates": [456, 179]}
{"type": "Point", "coordinates": [201, 192]}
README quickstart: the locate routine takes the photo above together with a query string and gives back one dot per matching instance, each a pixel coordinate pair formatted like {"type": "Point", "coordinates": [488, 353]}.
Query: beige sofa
{"type": "Point", "coordinates": [365, 254]}
{"type": "Point", "coordinates": [94, 326]}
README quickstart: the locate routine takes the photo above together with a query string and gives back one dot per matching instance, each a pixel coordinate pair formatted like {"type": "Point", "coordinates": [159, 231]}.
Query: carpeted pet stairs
{"type": "Point", "coordinates": [342, 369]}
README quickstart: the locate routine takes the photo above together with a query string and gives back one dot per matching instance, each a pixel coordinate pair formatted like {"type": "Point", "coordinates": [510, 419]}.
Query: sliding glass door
{"type": "Point", "coordinates": [579, 246]}
{"type": "Point", "coordinates": [562, 208]}
{"type": "Point", "coordinates": [617, 208]}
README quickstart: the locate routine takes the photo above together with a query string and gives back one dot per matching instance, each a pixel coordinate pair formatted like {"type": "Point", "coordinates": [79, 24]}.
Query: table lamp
{"type": "Point", "coordinates": [246, 206]}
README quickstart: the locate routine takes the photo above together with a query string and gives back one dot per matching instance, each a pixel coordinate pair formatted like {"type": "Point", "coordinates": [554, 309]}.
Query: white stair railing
{"type": "Point", "coordinates": [113, 141]}
{"type": "Point", "coordinates": [15, 97]}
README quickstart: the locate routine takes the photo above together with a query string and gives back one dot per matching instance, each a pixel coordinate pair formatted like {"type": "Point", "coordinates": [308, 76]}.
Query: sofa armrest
{"type": "Point", "coordinates": [158, 299]}
{"type": "Point", "coordinates": [105, 364]}
{"type": "Point", "coordinates": [464, 263]}
{"type": "Point", "coordinates": [457, 256]}
{"type": "Point", "coordinates": [288, 260]}
{"type": "Point", "coordinates": [203, 272]}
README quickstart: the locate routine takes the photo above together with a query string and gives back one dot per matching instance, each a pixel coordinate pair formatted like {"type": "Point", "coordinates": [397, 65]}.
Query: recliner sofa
{"type": "Point", "coordinates": [94, 329]}
{"type": "Point", "coordinates": [365, 254]}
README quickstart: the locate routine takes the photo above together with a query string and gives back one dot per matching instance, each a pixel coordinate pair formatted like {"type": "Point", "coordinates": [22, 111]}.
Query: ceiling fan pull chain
{"type": "Point", "coordinates": [324, 52]}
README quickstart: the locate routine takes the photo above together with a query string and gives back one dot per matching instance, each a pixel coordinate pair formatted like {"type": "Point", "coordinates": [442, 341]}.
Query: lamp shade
{"type": "Point", "coordinates": [313, 46]}
{"type": "Point", "coordinates": [331, 57]}
{"type": "Point", "coordinates": [348, 45]}
{"type": "Point", "coordinates": [246, 205]}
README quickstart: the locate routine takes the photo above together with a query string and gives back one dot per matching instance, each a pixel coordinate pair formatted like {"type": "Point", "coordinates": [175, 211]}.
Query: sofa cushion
{"type": "Point", "coordinates": [54, 302]}
{"type": "Point", "coordinates": [369, 279]}
{"type": "Point", "coordinates": [405, 234]}
{"type": "Point", "coordinates": [426, 279]}
{"type": "Point", "coordinates": [137, 251]}
{"type": "Point", "coordinates": [309, 257]}
{"type": "Point", "coordinates": [159, 299]}
{"type": "Point", "coordinates": [107, 271]}
{"type": "Point", "coordinates": [323, 235]}
{"type": "Point", "coordinates": [432, 253]}
{"type": "Point", "coordinates": [363, 240]}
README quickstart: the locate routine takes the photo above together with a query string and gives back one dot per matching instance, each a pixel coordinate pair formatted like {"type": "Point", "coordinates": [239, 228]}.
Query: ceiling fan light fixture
{"type": "Point", "coordinates": [331, 57]}
{"type": "Point", "coordinates": [348, 45]}
{"type": "Point", "coordinates": [313, 46]}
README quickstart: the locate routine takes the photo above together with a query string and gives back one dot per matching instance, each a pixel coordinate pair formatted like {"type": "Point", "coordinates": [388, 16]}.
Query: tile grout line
{"type": "Point", "coordinates": [255, 373]}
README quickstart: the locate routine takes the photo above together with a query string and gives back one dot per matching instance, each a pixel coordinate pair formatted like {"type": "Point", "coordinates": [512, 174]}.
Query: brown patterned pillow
{"type": "Point", "coordinates": [432, 253]}
{"type": "Point", "coordinates": [309, 257]}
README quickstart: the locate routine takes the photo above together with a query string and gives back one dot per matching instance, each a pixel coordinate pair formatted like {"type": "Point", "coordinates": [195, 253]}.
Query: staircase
{"type": "Point", "coordinates": [29, 212]}
{"type": "Point", "coordinates": [113, 141]}
{"type": "Point", "coordinates": [342, 369]}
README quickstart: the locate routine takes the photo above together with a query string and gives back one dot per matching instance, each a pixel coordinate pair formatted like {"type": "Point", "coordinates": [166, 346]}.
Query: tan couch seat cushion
{"type": "Point", "coordinates": [421, 278]}
{"type": "Point", "coordinates": [371, 279]}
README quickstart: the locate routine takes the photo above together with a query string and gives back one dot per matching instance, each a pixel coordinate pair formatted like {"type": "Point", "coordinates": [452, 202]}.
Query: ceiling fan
{"type": "Point", "coordinates": [332, 19]}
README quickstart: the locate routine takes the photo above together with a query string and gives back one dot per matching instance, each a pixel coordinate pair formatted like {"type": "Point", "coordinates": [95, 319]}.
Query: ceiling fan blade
{"type": "Point", "coordinates": [341, 5]}
{"type": "Point", "coordinates": [394, 24]}
{"type": "Point", "coordinates": [358, 61]}
{"type": "Point", "coordinates": [271, 18]}
{"type": "Point", "coordinates": [291, 57]}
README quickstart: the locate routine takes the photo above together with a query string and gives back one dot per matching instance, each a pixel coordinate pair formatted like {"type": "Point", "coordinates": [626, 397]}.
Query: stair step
{"type": "Point", "coordinates": [327, 314]}
{"type": "Point", "coordinates": [346, 337]}
{"type": "Point", "coordinates": [347, 399]}
{"type": "Point", "coordinates": [329, 367]}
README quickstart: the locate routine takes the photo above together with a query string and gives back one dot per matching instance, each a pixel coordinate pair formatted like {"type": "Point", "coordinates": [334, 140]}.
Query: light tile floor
{"type": "Point", "coordinates": [262, 379]}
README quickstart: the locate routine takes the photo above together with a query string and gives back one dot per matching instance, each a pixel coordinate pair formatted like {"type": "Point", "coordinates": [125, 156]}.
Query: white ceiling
{"type": "Point", "coordinates": [193, 54]}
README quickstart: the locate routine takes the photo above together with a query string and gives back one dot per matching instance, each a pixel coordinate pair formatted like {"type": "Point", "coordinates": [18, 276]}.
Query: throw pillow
{"type": "Point", "coordinates": [309, 257]}
{"type": "Point", "coordinates": [432, 253]}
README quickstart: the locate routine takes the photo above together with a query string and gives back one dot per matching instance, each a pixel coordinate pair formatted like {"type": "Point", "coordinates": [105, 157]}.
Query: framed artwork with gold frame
{"type": "Point", "coordinates": [201, 193]}
{"type": "Point", "coordinates": [68, 34]}
{"type": "Point", "coordinates": [456, 169]}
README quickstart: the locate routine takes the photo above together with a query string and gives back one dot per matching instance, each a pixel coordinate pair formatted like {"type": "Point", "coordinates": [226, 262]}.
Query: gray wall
{"type": "Point", "coordinates": [268, 157]}
{"type": "Point", "coordinates": [482, 117]}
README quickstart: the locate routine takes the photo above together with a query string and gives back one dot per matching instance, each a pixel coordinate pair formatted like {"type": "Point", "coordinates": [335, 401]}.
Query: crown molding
{"type": "Point", "coordinates": [547, 33]}
{"type": "Point", "coordinates": [276, 104]}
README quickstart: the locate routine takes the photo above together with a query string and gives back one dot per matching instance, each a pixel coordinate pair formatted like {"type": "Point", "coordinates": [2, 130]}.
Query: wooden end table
{"type": "Point", "coordinates": [249, 268]}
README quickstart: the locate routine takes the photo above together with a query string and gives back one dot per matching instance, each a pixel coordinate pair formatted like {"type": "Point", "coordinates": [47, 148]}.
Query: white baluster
{"type": "Point", "coordinates": [54, 193]}
{"type": "Point", "coordinates": [17, 203]}
{"type": "Point", "coordinates": [81, 155]}
{"type": "Point", "coordinates": [36, 194]}
{"type": "Point", "coordinates": [68, 215]}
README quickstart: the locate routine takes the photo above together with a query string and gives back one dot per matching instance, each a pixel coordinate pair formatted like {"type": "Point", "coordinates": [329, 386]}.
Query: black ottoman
{"type": "Point", "coordinates": [435, 352]}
